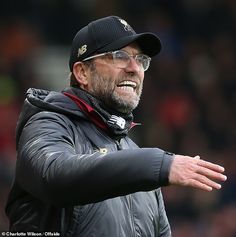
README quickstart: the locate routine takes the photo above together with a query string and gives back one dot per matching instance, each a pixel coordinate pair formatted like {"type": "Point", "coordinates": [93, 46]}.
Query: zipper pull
{"type": "Point", "coordinates": [119, 147]}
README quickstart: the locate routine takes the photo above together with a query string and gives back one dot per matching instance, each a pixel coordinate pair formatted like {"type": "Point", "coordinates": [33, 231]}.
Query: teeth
{"type": "Point", "coordinates": [127, 88]}
{"type": "Point", "coordinates": [128, 84]}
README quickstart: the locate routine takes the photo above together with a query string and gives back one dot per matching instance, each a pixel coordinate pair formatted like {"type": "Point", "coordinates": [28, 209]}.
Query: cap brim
{"type": "Point", "coordinates": [149, 43]}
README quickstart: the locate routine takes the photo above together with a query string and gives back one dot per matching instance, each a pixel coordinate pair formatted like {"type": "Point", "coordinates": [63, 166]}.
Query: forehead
{"type": "Point", "coordinates": [132, 48]}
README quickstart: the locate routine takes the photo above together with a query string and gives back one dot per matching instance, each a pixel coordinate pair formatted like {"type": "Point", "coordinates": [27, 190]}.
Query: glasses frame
{"type": "Point", "coordinates": [114, 52]}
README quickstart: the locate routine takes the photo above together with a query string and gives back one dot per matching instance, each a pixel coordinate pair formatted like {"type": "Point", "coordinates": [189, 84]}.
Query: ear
{"type": "Point", "coordinates": [81, 74]}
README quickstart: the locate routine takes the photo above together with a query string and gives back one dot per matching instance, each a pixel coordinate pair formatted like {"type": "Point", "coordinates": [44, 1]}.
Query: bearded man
{"type": "Point", "coordinates": [78, 173]}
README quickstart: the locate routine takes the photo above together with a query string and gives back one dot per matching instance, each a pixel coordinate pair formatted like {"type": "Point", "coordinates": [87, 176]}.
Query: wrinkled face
{"type": "Point", "coordinates": [118, 88]}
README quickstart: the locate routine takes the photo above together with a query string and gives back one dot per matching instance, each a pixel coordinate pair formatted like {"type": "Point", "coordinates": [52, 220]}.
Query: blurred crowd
{"type": "Point", "coordinates": [189, 99]}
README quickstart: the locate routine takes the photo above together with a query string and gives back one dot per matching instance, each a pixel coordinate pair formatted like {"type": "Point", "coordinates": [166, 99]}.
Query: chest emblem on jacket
{"type": "Point", "coordinates": [103, 150]}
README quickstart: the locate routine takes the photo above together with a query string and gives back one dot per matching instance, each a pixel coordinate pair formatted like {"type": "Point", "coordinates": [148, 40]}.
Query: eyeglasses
{"type": "Point", "coordinates": [121, 59]}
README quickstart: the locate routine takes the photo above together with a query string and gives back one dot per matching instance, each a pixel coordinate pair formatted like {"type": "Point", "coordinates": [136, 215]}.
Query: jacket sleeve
{"type": "Point", "coordinates": [49, 167]}
{"type": "Point", "coordinates": [164, 229]}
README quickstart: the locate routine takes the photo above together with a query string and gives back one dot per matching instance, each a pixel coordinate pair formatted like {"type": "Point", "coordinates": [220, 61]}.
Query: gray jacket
{"type": "Point", "coordinates": [76, 179]}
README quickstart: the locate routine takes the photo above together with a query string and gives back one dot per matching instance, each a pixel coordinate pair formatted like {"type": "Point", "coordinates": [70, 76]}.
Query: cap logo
{"type": "Point", "coordinates": [82, 50]}
{"type": "Point", "coordinates": [127, 27]}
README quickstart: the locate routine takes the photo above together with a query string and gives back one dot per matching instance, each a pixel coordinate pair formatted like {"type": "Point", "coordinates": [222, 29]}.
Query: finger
{"type": "Point", "coordinates": [211, 174]}
{"type": "Point", "coordinates": [200, 185]}
{"type": "Point", "coordinates": [211, 166]}
{"type": "Point", "coordinates": [208, 182]}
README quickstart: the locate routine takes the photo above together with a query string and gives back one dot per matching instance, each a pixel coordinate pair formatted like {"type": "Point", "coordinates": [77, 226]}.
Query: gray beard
{"type": "Point", "coordinates": [121, 105]}
{"type": "Point", "coordinates": [105, 92]}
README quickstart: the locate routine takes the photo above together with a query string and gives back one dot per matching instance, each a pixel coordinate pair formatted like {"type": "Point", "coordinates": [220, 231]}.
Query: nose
{"type": "Point", "coordinates": [133, 66]}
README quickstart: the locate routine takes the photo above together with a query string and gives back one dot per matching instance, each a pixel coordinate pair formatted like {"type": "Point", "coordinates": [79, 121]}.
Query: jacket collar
{"type": "Point", "coordinates": [112, 122]}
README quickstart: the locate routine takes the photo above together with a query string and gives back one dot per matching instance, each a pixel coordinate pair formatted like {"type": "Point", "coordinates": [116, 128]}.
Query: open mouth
{"type": "Point", "coordinates": [128, 85]}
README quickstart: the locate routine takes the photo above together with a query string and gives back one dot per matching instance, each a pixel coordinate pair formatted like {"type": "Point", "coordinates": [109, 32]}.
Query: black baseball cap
{"type": "Point", "coordinates": [109, 34]}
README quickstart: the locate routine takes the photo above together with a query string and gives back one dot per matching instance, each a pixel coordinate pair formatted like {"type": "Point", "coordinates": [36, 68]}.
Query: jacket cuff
{"type": "Point", "coordinates": [165, 168]}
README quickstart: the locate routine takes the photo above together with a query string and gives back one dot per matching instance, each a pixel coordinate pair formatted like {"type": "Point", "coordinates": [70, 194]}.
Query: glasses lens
{"type": "Point", "coordinates": [121, 59]}
{"type": "Point", "coordinates": [143, 61]}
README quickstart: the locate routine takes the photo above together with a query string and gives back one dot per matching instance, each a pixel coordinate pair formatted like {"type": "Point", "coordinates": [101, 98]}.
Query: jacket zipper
{"type": "Point", "coordinates": [119, 146]}
{"type": "Point", "coordinates": [129, 199]}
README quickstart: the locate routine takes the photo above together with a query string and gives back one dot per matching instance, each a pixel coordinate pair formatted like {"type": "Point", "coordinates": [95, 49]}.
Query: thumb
{"type": "Point", "coordinates": [197, 157]}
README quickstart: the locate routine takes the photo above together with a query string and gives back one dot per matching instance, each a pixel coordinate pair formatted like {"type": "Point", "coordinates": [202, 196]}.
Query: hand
{"type": "Point", "coordinates": [194, 172]}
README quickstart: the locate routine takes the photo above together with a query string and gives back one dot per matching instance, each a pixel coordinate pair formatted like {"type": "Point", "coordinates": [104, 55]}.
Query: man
{"type": "Point", "coordinates": [77, 172]}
